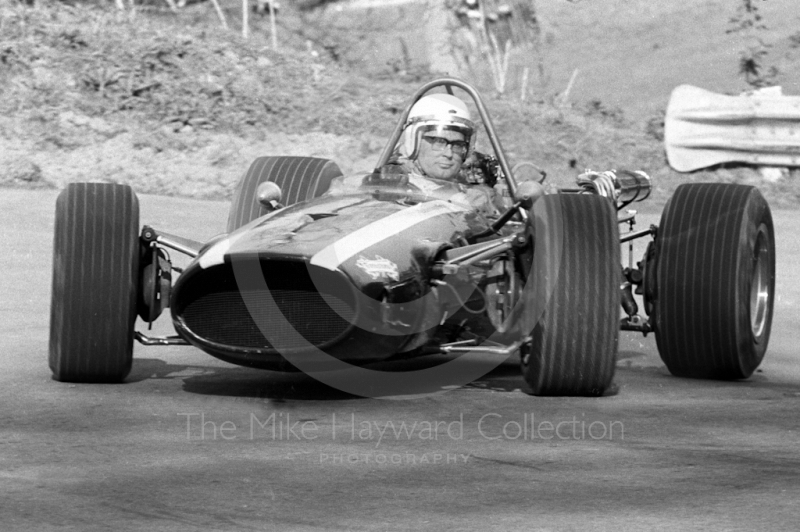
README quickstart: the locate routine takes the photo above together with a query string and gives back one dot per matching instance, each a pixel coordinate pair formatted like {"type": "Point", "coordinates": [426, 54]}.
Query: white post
{"type": "Point", "coordinates": [523, 91]}
{"type": "Point", "coordinates": [220, 14]}
{"type": "Point", "coordinates": [565, 95]}
{"type": "Point", "coordinates": [245, 19]}
{"type": "Point", "coordinates": [273, 26]}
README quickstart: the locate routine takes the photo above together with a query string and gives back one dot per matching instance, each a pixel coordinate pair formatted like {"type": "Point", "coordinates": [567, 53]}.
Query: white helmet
{"type": "Point", "coordinates": [436, 112]}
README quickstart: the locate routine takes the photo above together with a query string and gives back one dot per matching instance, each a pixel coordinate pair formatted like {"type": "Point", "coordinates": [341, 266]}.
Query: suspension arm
{"type": "Point", "coordinates": [186, 246]}
{"type": "Point", "coordinates": [638, 234]}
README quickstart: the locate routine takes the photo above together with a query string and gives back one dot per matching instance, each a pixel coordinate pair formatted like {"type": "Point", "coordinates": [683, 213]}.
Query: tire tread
{"type": "Point", "coordinates": [575, 341]}
{"type": "Point", "coordinates": [94, 283]}
{"type": "Point", "coordinates": [698, 248]}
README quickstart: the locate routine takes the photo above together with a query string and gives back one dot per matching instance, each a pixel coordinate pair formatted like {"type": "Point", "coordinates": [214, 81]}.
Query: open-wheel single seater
{"type": "Point", "coordinates": [317, 271]}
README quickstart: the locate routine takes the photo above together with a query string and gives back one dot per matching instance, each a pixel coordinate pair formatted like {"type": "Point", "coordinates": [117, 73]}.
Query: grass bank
{"type": "Point", "coordinates": [176, 105]}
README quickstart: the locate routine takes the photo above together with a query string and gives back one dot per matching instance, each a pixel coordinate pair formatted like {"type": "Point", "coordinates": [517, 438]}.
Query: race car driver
{"type": "Point", "coordinates": [437, 141]}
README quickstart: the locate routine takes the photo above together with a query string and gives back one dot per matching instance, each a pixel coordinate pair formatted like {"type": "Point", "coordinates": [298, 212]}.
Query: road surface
{"type": "Point", "coordinates": [191, 443]}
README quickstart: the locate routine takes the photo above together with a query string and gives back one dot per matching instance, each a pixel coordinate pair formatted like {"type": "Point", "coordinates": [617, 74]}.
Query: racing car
{"type": "Point", "coordinates": [336, 276]}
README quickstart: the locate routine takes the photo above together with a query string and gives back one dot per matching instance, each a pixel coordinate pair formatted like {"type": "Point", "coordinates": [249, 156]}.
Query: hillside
{"type": "Point", "coordinates": [176, 105]}
{"type": "Point", "coordinates": [632, 53]}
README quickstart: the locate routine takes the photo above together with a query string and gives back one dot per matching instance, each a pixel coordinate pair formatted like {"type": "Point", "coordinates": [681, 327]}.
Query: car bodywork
{"type": "Point", "coordinates": [333, 265]}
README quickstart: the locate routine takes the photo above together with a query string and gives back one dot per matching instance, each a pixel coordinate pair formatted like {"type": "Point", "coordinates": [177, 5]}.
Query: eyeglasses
{"type": "Point", "coordinates": [459, 147]}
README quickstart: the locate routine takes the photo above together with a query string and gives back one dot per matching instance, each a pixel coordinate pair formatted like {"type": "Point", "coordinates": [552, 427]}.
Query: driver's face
{"type": "Point", "coordinates": [443, 164]}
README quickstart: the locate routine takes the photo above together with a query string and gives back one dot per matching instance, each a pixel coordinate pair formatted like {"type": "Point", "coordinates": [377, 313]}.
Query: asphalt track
{"type": "Point", "coordinates": [191, 443]}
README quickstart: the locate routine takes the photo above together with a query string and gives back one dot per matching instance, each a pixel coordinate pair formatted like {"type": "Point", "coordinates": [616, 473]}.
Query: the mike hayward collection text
{"type": "Point", "coordinates": [282, 426]}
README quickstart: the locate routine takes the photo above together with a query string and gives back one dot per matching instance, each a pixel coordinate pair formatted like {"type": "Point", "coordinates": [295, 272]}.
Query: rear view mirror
{"type": "Point", "coordinates": [269, 195]}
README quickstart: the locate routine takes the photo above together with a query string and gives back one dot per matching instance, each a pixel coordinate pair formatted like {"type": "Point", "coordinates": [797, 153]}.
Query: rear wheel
{"type": "Point", "coordinates": [715, 281]}
{"type": "Point", "coordinates": [95, 275]}
{"type": "Point", "coordinates": [300, 179]}
{"type": "Point", "coordinates": [572, 296]}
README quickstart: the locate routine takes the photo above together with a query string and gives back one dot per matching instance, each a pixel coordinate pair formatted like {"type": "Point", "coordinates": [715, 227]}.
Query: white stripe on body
{"type": "Point", "coordinates": [335, 254]}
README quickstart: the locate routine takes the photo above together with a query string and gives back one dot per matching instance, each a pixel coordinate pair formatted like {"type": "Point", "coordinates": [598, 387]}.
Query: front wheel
{"type": "Point", "coordinates": [572, 296]}
{"type": "Point", "coordinates": [715, 281]}
{"type": "Point", "coordinates": [95, 278]}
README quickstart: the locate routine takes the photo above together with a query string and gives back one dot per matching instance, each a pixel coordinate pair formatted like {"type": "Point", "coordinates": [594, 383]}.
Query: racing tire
{"type": "Point", "coordinates": [573, 293]}
{"type": "Point", "coordinates": [715, 281]}
{"type": "Point", "coordinates": [95, 278]}
{"type": "Point", "coordinates": [300, 179]}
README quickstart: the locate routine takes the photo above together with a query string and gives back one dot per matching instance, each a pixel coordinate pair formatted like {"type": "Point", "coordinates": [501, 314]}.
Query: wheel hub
{"type": "Point", "coordinates": [760, 286]}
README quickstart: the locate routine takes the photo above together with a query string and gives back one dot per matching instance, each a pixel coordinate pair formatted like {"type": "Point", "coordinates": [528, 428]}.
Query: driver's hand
{"type": "Point", "coordinates": [479, 169]}
{"type": "Point", "coordinates": [390, 175]}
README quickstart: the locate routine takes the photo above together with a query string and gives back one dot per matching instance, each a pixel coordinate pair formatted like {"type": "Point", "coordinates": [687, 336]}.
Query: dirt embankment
{"type": "Point", "coordinates": [175, 105]}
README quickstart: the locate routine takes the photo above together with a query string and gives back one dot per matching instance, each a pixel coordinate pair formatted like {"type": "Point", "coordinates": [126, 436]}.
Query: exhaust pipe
{"type": "Point", "coordinates": [625, 186]}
